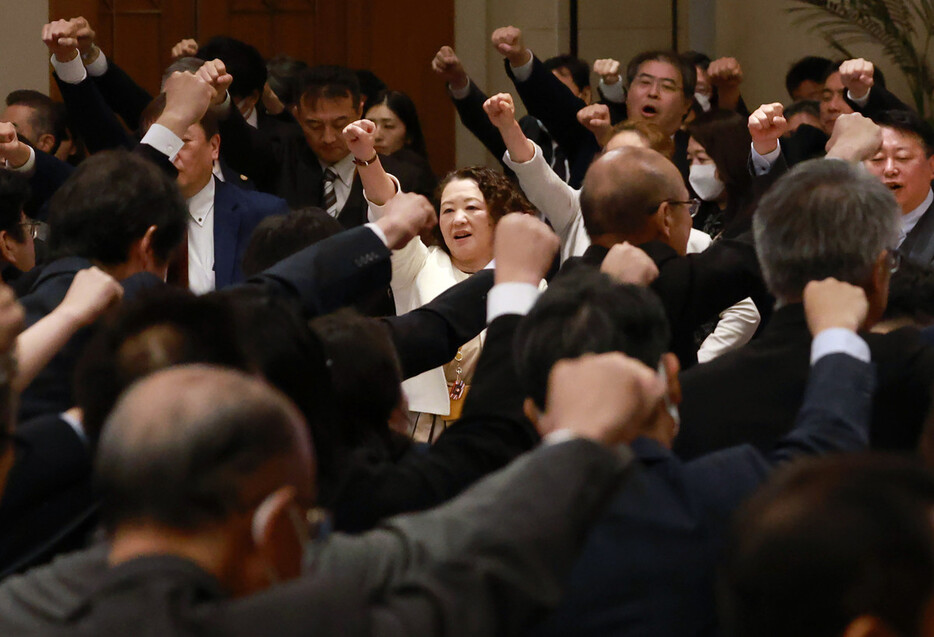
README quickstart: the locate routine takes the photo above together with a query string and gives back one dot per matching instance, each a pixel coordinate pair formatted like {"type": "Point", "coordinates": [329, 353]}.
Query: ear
{"type": "Point", "coordinates": [665, 219]}
{"type": "Point", "coordinates": [46, 142]}
{"type": "Point", "coordinates": [531, 412]}
{"type": "Point", "coordinates": [868, 626]}
{"type": "Point", "coordinates": [294, 110]}
{"type": "Point", "coordinates": [672, 368]}
{"type": "Point", "coordinates": [587, 95]}
{"type": "Point", "coordinates": [274, 533]}
{"type": "Point", "coordinates": [931, 166]}
{"type": "Point", "coordinates": [360, 107]}
{"type": "Point", "coordinates": [7, 250]}
{"type": "Point", "coordinates": [215, 143]}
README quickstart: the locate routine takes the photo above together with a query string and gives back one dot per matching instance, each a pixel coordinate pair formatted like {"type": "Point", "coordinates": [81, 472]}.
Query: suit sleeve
{"type": "Point", "coordinates": [125, 97]}
{"type": "Point", "coordinates": [880, 100]}
{"type": "Point", "coordinates": [470, 111]}
{"type": "Point", "coordinates": [48, 175]}
{"type": "Point", "coordinates": [92, 117]}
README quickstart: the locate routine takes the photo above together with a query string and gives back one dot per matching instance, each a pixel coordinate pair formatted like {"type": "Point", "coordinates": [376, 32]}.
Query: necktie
{"type": "Point", "coordinates": [330, 197]}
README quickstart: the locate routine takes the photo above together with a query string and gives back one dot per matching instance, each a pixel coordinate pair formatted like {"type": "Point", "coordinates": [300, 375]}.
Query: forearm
{"type": "Point", "coordinates": [518, 146]}
{"type": "Point", "coordinates": [39, 344]}
{"type": "Point", "coordinates": [378, 187]}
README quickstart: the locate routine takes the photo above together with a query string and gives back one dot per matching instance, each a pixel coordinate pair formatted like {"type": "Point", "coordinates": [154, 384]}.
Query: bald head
{"type": "Point", "coordinates": [189, 446]}
{"type": "Point", "coordinates": [624, 195]}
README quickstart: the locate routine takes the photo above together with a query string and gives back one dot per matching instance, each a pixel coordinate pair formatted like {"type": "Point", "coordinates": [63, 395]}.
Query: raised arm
{"type": "Point", "coordinates": [360, 136]}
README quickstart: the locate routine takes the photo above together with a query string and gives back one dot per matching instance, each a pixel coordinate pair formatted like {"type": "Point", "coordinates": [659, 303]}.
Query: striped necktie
{"type": "Point", "coordinates": [330, 197]}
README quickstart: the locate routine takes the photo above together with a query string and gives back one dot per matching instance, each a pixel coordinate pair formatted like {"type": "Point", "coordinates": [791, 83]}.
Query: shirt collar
{"type": "Point", "coordinates": [344, 168]}
{"type": "Point", "coordinates": [253, 118]}
{"type": "Point", "coordinates": [201, 205]}
{"type": "Point", "coordinates": [910, 220]}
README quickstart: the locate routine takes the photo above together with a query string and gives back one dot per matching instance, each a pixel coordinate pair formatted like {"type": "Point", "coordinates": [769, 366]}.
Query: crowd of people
{"type": "Point", "coordinates": [666, 371]}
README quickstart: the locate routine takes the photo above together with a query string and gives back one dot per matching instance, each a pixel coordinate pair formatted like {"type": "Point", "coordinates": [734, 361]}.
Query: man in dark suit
{"type": "Point", "coordinates": [824, 218]}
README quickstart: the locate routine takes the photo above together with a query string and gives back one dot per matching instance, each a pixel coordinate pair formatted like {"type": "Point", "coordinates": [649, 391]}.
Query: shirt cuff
{"type": "Point", "coordinates": [99, 66]}
{"type": "Point", "coordinates": [510, 298]}
{"type": "Point", "coordinates": [460, 93]}
{"type": "Point", "coordinates": [28, 166]}
{"type": "Point", "coordinates": [163, 140]}
{"type": "Point", "coordinates": [509, 161]}
{"type": "Point", "coordinates": [763, 163]}
{"type": "Point", "coordinates": [839, 340]}
{"type": "Point", "coordinates": [861, 102]}
{"type": "Point", "coordinates": [379, 233]}
{"type": "Point", "coordinates": [524, 72]}
{"type": "Point", "coordinates": [71, 72]}
{"type": "Point", "coordinates": [613, 92]}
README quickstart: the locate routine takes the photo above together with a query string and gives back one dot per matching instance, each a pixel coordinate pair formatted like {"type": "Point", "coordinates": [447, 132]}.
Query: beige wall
{"type": "Point", "coordinates": [25, 58]}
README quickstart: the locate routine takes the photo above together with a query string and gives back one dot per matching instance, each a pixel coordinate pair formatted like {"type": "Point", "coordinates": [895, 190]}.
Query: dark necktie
{"type": "Point", "coordinates": [330, 196]}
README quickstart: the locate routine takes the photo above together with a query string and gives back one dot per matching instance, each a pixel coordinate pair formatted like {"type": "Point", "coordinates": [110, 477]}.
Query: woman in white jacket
{"type": "Point", "coordinates": [472, 200]}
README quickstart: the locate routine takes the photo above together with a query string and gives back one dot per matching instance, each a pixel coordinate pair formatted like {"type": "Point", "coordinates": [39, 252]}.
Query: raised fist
{"type": "Point", "coordinates": [449, 67]}
{"type": "Point", "coordinates": [725, 73]}
{"type": "Point", "coordinates": [523, 248]}
{"type": "Point", "coordinates": [187, 98]}
{"type": "Point", "coordinates": [184, 48]}
{"type": "Point", "coordinates": [627, 263]}
{"type": "Point", "coordinates": [501, 110]}
{"type": "Point", "coordinates": [855, 138]}
{"type": "Point", "coordinates": [215, 74]}
{"type": "Point", "coordinates": [61, 37]}
{"type": "Point", "coordinates": [13, 153]}
{"type": "Point", "coordinates": [85, 36]}
{"type": "Point", "coordinates": [406, 216]}
{"type": "Point", "coordinates": [857, 77]}
{"type": "Point", "coordinates": [831, 303]}
{"type": "Point", "coordinates": [766, 124]}
{"type": "Point", "coordinates": [361, 139]}
{"type": "Point", "coordinates": [508, 41]}
{"type": "Point", "coordinates": [607, 69]}
{"type": "Point", "coordinates": [596, 119]}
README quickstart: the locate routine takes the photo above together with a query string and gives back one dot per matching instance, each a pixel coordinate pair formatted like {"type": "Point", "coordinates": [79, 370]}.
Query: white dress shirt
{"type": "Point", "coordinates": [201, 240]}
{"type": "Point", "coordinates": [345, 170]}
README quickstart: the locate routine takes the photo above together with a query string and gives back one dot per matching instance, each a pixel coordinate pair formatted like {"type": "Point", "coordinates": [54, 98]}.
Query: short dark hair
{"type": "Point", "coordinates": [242, 60]}
{"type": "Point", "coordinates": [187, 464]}
{"type": "Point", "coordinates": [911, 293]}
{"type": "Point", "coordinates": [208, 122]}
{"type": "Point", "coordinates": [812, 67]}
{"type": "Point", "coordinates": [811, 107]}
{"type": "Point", "coordinates": [911, 123]}
{"type": "Point", "coordinates": [48, 116]}
{"type": "Point", "coordinates": [279, 236]}
{"type": "Point", "coordinates": [578, 68]}
{"type": "Point", "coordinates": [687, 70]}
{"type": "Point", "coordinates": [696, 58]}
{"type": "Point", "coordinates": [14, 193]}
{"type": "Point", "coordinates": [110, 201]}
{"type": "Point", "coordinates": [282, 74]}
{"type": "Point", "coordinates": [370, 86]}
{"type": "Point", "coordinates": [828, 541]}
{"type": "Point", "coordinates": [328, 82]}
{"type": "Point", "coordinates": [583, 312]}
{"type": "Point", "coordinates": [404, 108]}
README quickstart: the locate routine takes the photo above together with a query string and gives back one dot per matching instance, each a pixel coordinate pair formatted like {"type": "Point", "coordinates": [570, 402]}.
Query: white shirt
{"type": "Point", "coordinates": [345, 170]}
{"type": "Point", "coordinates": [910, 220]}
{"type": "Point", "coordinates": [201, 240]}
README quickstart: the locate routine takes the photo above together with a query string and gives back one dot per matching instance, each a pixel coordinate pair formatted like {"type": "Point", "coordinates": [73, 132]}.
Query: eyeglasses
{"type": "Point", "coordinates": [665, 84]}
{"type": "Point", "coordinates": [895, 260]}
{"type": "Point", "coordinates": [694, 204]}
{"type": "Point", "coordinates": [31, 228]}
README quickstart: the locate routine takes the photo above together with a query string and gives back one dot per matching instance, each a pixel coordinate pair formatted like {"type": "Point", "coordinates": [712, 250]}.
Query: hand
{"type": "Point", "coordinates": [596, 119]}
{"type": "Point", "coordinates": [608, 398]}
{"type": "Point", "coordinates": [12, 151]}
{"type": "Point", "coordinates": [857, 77]}
{"type": "Point", "coordinates": [766, 124]}
{"type": "Point", "coordinates": [508, 41]}
{"type": "Point", "coordinates": [607, 69]}
{"type": "Point", "coordinates": [407, 215]}
{"type": "Point", "coordinates": [626, 263]}
{"type": "Point", "coordinates": [361, 139]}
{"type": "Point", "coordinates": [501, 110]}
{"type": "Point", "coordinates": [271, 101]}
{"type": "Point", "coordinates": [91, 293]}
{"type": "Point", "coordinates": [187, 98]}
{"type": "Point", "coordinates": [523, 248]}
{"type": "Point", "coordinates": [61, 37]}
{"type": "Point", "coordinates": [725, 73]}
{"type": "Point", "coordinates": [214, 72]}
{"type": "Point", "coordinates": [831, 303]}
{"type": "Point", "coordinates": [855, 138]}
{"type": "Point", "coordinates": [12, 318]}
{"type": "Point", "coordinates": [449, 67]}
{"type": "Point", "coordinates": [184, 48]}
{"type": "Point", "coordinates": [85, 35]}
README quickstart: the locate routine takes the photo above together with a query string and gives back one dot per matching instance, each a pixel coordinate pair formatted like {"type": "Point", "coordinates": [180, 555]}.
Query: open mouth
{"type": "Point", "coordinates": [462, 235]}
{"type": "Point", "coordinates": [894, 187]}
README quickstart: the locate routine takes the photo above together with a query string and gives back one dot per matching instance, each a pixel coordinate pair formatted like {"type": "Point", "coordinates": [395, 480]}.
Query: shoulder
{"type": "Point", "coordinates": [251, 200]}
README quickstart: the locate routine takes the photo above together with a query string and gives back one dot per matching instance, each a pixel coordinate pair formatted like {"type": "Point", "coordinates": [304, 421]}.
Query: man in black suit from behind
{"type": "Point", "coordinates": [824, 218]}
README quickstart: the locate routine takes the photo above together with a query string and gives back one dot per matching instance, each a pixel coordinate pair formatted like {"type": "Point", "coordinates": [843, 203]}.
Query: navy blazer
{"type": "Point", "coordinates": [236, 214]}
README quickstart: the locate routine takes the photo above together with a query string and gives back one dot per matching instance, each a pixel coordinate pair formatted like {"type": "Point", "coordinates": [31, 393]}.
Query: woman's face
{"type": "Point", "coordinates": [697, 156]}
{"type": "Point", "coordinates": [466, 225]}
{"type": "Point", "coordinates": [390, 131]}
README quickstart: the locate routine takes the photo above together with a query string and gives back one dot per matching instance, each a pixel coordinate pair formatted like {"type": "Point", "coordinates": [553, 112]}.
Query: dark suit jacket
{"type": "Point", "coordinates": [695, 288]}
{"type": "Point", "coordinates": [47, 176]}
{"type": "Point", "coordinates": [752, 394]}
{"type": "Point", "coordinates": [649, 565]}
{"type": "Point", "coordinates": [236, 214]}
{"type": "Point", "coordinates": [919, 244]}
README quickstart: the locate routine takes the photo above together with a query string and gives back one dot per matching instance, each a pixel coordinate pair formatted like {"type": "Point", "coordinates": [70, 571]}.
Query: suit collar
{"type": "Point", "coordinates": [65, 265]}
{"type": "Point", "coordinates": [226, 230]}
{"type": "Point", "coordinates": [919, 243]}
{"type": "Point", "coordinates": [660, 252]}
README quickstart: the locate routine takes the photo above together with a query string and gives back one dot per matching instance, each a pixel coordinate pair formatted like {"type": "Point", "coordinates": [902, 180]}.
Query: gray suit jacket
{"type": "Point", "coordinates": [919, 244]}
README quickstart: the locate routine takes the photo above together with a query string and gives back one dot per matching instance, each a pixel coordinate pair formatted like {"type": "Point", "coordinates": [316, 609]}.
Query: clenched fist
{"type": "Point", "coordinates": [766, 124]}
{"type": "Point", "coordinates": [508, 41]}
{"type": "Point", "coordinates": [501, 110]}
{"type": "Point", "coordinates": [361, 139]}
{"type": "Point", "coordinates": [449, 67]}
{"type": "Point", "coordinates": [857, 77]}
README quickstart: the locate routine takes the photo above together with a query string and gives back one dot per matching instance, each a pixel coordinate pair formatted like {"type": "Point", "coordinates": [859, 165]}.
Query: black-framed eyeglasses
{"type": "Point", "coordinates": [693, 203]}
{"type": "Point", "coordinates": [31, 228]}
{"type": "Point", "coordinates": [894, 259]}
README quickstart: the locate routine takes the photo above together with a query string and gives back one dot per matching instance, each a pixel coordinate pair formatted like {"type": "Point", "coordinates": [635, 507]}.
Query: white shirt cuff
{"type": "Point", "coordinates": [99, 66]}
{"type": "Point", "coordinates": [460, 93]}
{"type": "Point", "coordinates": [763, 163]}
{"type": "Point", "coordinates": [613, 92]}
{"type": "Point", "coordinates": [71, 72]}
{"type": "Point", "coordinates": [524, 72]}
{"type": "Point", "coordinates": [510, 298]}
{"type": "Point", "coordinates": [379, 233]}
{"type": "Point", "coordinates": [163, 140]}
{"type": "Point", "coordinates": [861, 102]}
{"type": "Point", "coordinates": [839, 340]}
{"type": "Point", "coordinates": [509, 161]}
{"type": "Point", "coordinates": [28, 166]}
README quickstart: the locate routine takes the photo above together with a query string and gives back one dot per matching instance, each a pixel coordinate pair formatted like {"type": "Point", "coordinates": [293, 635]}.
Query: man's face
{"type": "Point", "coordinates": [195, 161]}
{"type": "Point", "coordinates": [703, 86]}
{"type": "Point", "coordinates": [323, 120]}
{"type": "Point", "coordinates": [808, 90]}
{"type": "Point", "coordinates": [568, 80]}
{"type": "Point", "coordinates": [22, 254]}
{"type": "Point", "coordinates": [904, 167]}
{"type": "Point", "coordinates": [656, 95]}
{"type": "Point", "coordinates": [21, 117]}
{"type": "Point", "coordinates": [832, 102]}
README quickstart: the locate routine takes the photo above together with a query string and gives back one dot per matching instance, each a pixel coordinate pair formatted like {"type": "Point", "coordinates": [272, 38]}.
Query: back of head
{"type": "Point", "coordinates": [586, 312]}
{"type": "Point", "coordinates": [282, 76]}
{"type": "Point", "coordinates": [14, 193]}
{"type": "Point", "coordinates": [183, 447]}
{"type": "Point", "coordinates": [110, 202]}
{"type": "Point", "coordinates": [279, 236]}
{"type": "Point", "coordinates": [911, 295]}
{"type": "Point", "coordinates": [823, 219]}
{"type": "Point", "coordinates": [910, 123]}
{"type": "Point", "coordinates": [687, 70]}
{"type": "Point", "coordinates": [810, 68]}
{"type": "Point", "coordinates": [623, 188]}
{"type": "Point", "coordinates": [653, 136]}
{"type": "Point", "coordinates": [404, 108]}
{"type": "Point", "coordinates": [578, 69]}
{"type": "Point", "coordinates": [328, 82]}
{"type": "Point", "coordinates": [830, 541]}
{"type": "Point", "coordinates": [725, 137]}
{"type": "Point", "coordinates": [242, 60]}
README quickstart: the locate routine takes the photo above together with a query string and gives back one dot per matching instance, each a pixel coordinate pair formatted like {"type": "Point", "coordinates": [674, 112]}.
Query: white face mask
{"type": "Point", "coordinates": [703, 100]}
{"type": "Point", "coordinates": [704, 181]}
